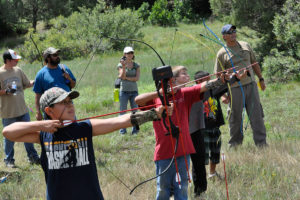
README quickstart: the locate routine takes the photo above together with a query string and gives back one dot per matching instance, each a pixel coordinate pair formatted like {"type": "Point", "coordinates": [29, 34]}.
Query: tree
{"type": "Point", "coordinates": [282, 63]}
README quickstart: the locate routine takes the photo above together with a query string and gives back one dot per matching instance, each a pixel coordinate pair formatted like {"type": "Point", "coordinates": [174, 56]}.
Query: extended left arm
{"type": "Point", "coordinates": [103, 126]}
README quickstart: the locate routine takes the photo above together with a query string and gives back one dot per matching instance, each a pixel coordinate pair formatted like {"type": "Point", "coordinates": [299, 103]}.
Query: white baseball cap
{"type": "Point", "coordinates": [14, 55]}
{"type": "Point", "coordinates": [128, 49]}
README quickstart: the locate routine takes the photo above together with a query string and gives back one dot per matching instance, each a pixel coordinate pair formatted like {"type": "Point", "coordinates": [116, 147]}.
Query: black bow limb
{"type": "Point", "coordinates": [162, 75]}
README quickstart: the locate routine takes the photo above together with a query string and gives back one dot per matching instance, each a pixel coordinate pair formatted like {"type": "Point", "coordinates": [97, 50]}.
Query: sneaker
{"type": "Point", "coordinates": [34, 160]}
{"type": "Point", "coordinates": [215, 175]}
{"type": "Point", "coordinates": [123, 131]}
{"type": "Point", "coordinates": [10, 164]}
{"type": "Point", "coordinates": [134, 132]}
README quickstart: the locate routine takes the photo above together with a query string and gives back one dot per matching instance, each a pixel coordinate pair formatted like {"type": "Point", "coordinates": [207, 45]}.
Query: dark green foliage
{"type": "Point", "coordinates": [144, 11]}
{"type": "Point", "coordinates": [287, 28]}
{"type": "Point", "coordinates": [161, 14]}
{"type": "Point", "coordinates": [16, 16]}
{"type": "Point", "coordinates": [10, 13]}
{"type": "Point", "coordinates": [283, 62]}
{"type": "Point", "coordinates": [133, 4]}
{"type": "Point", "coordinates": [280, 67]}
{"type": "Point", "coordinates": [80, 34]}
{"type": "Point", "coordinates": [256, 14]}
{"type": "Point", "coordinates": [191, 10]}
{"type": "Point", "coordinates": [183, 10]}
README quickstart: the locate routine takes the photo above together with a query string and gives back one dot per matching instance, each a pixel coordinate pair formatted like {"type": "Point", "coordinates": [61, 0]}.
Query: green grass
{"type": "Point", "coordinates": [262, 174]}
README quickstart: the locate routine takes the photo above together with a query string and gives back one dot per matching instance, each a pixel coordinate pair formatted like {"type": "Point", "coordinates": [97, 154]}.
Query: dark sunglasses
{"type": "Point", "coordinates": [54, 55]}
{"type": "Point", "coordinates": [230, 32]}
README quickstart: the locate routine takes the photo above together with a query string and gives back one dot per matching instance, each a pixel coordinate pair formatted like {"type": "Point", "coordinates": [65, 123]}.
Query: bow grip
{"type": "Point", "coordinates": [161, 73]}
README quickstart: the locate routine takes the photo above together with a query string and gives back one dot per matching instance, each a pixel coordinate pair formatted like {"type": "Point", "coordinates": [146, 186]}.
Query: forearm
{"type": "Point", "coordinates": [23, 131]}
{"type": "Point", "coordinates": [257, 70]}
{"type": "Point", "coordinates": [131, 78]}
{"type": "Point", "coordinates": [103, 126]}
{"type": "Point", "coordinates": [122, 73]}
{"type": "Point", "coordinates": [37, 102]}
{"type": "Point", "coordinates": [3, 92]}
{"type": "Point", "coordinates": [72, 83]}
{"type": "Point", "coordinates": [143, 99]}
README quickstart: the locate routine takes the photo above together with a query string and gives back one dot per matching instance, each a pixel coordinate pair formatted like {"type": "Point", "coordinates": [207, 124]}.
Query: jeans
{"type": "Point", "coordinates": [9, 145]}
{"type": "Point", "coordinates": [124, 97]}
{"type": "Point", "coordinates": [168, 179]}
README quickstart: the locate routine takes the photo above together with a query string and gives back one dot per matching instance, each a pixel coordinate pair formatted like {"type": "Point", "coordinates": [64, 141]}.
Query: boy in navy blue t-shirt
{"type": "Point", "coordinates": [67, 156]}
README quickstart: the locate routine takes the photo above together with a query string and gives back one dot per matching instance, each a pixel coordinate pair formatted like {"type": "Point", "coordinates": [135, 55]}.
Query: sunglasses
{"type": "Point", "coordinates": [54, 55]}
{"type": "Point", "coordinates": [230, 32]}
{"type": "Point", "coordinates": [129, 52]}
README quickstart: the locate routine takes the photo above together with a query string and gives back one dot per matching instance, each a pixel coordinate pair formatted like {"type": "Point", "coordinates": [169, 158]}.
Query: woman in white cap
{"type": "Point", "coordinates": [129, 73]}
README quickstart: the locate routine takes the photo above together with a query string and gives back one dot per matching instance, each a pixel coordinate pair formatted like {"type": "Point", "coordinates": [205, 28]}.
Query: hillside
{"type": "Point", "coordinates": [252, 173]}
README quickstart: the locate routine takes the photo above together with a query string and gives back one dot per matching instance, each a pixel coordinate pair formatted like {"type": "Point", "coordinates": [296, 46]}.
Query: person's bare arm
{"type": "Point", "coordinates": [29, 131]}
{"type": "Point", "coordinates": [68, 77]}
{"type": "Point", "coordinates": [143, 99]}
{"type": "Point", "coordinates": [136, 78]}
{"type": "Point", "coordinates": [38, 114]}
{"type": "Point", "coordinates": [104, 126]}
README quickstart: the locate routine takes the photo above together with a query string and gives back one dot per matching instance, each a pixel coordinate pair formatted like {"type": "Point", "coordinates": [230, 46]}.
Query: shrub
{"type": "Point", "coordinates": [161, 15]}
{"type": "Point", "coordinates": [280, 67]}
{"type": "Point", "coordinates": [144, 11]}
{"type": "Point", "coordinates": [283, 62]}
{"type": "Point", "coordinates": [81, 33]}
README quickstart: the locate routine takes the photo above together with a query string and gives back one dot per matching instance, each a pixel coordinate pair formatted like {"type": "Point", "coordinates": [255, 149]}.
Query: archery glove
{"type": "Point", "coordinates": [143, 116]}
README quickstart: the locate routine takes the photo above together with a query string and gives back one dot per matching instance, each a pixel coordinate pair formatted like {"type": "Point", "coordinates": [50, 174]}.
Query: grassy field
{"type": "Point", "coordinates": [260, 174]}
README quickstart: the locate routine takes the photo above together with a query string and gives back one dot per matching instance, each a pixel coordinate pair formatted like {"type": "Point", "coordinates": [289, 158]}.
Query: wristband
{"type": "Point", "coordinates": [142, 117]}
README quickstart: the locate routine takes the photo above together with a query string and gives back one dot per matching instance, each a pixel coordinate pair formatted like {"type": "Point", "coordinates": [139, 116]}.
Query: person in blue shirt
{"type": "Point", "coordinates": [53, 74]}
{"type": "Point", "coordinates": [67, 157]}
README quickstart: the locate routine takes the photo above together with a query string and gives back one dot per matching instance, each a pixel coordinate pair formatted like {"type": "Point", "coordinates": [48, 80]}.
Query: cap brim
{"type": "Point", "coordinates": [72, 94]}
{"type": "Point", "coordinates": [57, 51]}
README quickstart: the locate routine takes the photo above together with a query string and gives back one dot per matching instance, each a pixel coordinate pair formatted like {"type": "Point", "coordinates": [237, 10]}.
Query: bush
{"type": "Point", "coordinates": [183, 10]}
{"type": "Point", "coordinates": [279, 67]}
{"type": "Point", "coordinates": [161, 15]}
{"type": "Point", "coordinates": [286, 28]}
{"type": "Point", "coordinates": [283, 62]}
{"type": "Point", "coordinates": [144, 11]}
{"type": "Point", "coordinates": [81, 33]}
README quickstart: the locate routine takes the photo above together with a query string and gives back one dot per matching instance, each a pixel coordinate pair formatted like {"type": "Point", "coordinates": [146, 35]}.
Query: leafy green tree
{"type": "Point", "coordinates": [33, 11]}
{"type": "Point", "coordinates": [191, 10]}
{"type": "Point", "coordinates": [161, 14]}
{"type": "Point", "coordinates": [81, 33]}
{"type": "Point", "coordinates": [283, 61]}
{"type": "Point", "coordinates": [256, 14]}
{"type": "Point", "coordinates": [133, 4]}
{"type": "Point", "coordinates": [10, 16]}
{"type": "Point", "coordinates": [144, 11]}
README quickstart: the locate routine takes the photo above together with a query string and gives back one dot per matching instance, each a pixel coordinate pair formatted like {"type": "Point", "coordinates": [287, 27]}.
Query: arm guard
{"type": "Point", "coordinates": [143, 116]}
{"type": "Point", "coordinates": [213, 84]}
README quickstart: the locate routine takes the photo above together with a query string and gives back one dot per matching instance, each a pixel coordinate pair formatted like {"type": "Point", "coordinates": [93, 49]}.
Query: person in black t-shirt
{"type": "Point", "coordinates": [67, 156]}
{"type": "Point", "coordinates": [213, 118]}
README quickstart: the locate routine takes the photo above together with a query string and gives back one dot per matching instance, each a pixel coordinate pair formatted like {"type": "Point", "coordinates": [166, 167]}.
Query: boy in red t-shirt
{"type": "Point", "coordinates": [184, 99]}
